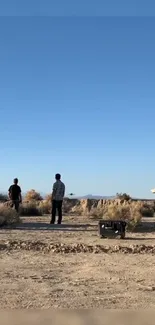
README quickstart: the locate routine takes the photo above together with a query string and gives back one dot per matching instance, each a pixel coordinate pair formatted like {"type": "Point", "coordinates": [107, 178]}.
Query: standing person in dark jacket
{"type": "Point", "coordinates": [15, 194]}
{"type": "Point", "coordinates": [57, 198]}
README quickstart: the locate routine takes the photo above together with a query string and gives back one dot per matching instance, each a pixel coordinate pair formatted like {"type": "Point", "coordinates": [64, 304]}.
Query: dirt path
{"type": "Point", "coordinates": [73, 230]}
{"type": "Point", "coordinates": [41, 279]}
{"type": "Point", "coordinates": [31, 280]}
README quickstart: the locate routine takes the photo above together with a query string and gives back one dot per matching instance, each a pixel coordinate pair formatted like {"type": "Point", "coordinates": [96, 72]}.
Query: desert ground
{"type": "Point", "coordinates": [70, 266]}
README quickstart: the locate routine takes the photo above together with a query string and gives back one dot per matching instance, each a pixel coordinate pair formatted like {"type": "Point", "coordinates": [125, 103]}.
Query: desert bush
{"type": "Point", "coordinates": [45, 207]}
{"type": "Point", "coordinates": [48, 198]}
{"type": "Point", "coordinates": [29, 210]}
{"type": "Point", "coordinates": [96, 213]}
{"type": "Point", "coordinates": [76, 211]}
{"type": "Point", "coordinates": [32, 195]}
{"type": "Point", "coordinates": [3, 198]}
{"type": "Point", "coordinates": [147, 211]}
{"type": "Point", "coordinates": [130, 213]}
{"type": "Point", "coordinates": [8, 216]}
{"type": "Point", "coordinates": [123, 196]}
{"type": "Point", "coordinates": [72, 205]}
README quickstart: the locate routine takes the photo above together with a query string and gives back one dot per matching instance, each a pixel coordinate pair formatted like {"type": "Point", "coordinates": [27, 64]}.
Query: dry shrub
{"type": "Point", "coordinates": [123, 196]}
{"type": "Point", "coordinates": [3, 198]}
{"type": "Point", "coordinates": [8, 216]}
{"type": "Point", "coordinates": [72, 206]}
{"type": "Point", "coordinates": [30, 209]}
{"type": "Point", "coordinates": [75, 210]}
{"type": "Point", "coordinates": [48, 198]}
{"type": "Point", "coordinates": [96, 213]}
{"type": "Point", "coordinates": [45, 206]}
{"type": "Point", "coordinates": [130, 213]}
{"type": "Point", "coordinates": [32, 195]}
{"type": "Point", "coordinates": [147, 211]}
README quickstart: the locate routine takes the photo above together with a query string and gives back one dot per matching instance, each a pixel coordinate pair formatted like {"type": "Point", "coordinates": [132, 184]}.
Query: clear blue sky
{"type": "Point", "coordinates": [77, 7]}
{"type": "Point", "coordinates": [77, 96]}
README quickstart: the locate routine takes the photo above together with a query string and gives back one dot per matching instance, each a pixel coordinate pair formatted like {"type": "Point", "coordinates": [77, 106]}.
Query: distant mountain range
{"type": "Point", "coordinates": [95, 197]}
{"type": "Point", "coordinates": [88, 196]}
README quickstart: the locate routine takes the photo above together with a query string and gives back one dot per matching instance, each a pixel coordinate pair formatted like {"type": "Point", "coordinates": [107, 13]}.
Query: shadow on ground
{"type": "Point", "coordinates": [39, 226]}
{"type": "Point", "coordinates": [145, 227]}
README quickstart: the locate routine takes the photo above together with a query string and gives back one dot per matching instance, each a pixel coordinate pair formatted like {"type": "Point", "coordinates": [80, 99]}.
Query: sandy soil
{"type": "Point", "coordinates": [59, 278]}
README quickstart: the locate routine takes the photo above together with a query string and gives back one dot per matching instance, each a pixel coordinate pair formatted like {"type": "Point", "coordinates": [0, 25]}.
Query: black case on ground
{"type": "Point", "coordinates": [112, 228]}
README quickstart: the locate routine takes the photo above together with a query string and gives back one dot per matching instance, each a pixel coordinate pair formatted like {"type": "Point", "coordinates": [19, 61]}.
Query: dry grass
{"type": "Point", "coordinates": [30, 209]}
{"type": "Point", "coordinates": [131, 213]}
{"type": "Point", "coordinates": [35, 208]}
{"type": "Point", "coordinates": [3, 198]}
{"type": "Point", "coordinates": [97, 213]}
{"type": "Point", "coordinates": [45, 207]}
{"type": "Point", "coordinates": [147, 211]}
{"type": "Point", "coordinates": [32, 195]}
{"type": "Point", "coordinates": [8, 216]}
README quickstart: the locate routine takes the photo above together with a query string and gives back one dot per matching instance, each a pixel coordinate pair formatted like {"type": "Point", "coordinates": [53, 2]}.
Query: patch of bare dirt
{"type": "Point", "coordinates": [45, 266]}
{"type": "Point", "coordinates": [33, 280]}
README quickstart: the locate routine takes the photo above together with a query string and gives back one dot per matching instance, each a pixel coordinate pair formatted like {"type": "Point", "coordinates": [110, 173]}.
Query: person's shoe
{"type": "Point", "coordinates": [51, 222]}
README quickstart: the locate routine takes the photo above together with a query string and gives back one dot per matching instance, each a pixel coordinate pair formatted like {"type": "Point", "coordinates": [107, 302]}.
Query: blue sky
{"type": "Point", "coordinates": [77, 7]}
{"type": "Point", "coordinates": [77, 97]}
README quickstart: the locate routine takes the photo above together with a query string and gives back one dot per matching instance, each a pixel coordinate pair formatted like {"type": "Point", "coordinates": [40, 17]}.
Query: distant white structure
{"type": "Point", "coordinates": [153, 190]}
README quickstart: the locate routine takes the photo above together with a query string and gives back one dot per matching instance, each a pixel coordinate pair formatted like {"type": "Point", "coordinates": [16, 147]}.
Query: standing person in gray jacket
{"type": "Point", "coordinates": [57, 199]}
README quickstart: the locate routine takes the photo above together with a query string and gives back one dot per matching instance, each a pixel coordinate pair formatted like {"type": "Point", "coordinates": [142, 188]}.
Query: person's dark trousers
{"type": "Point", "coordinates": [56, 205]}
{"type": "Point", "coordinates": [15, 204]}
